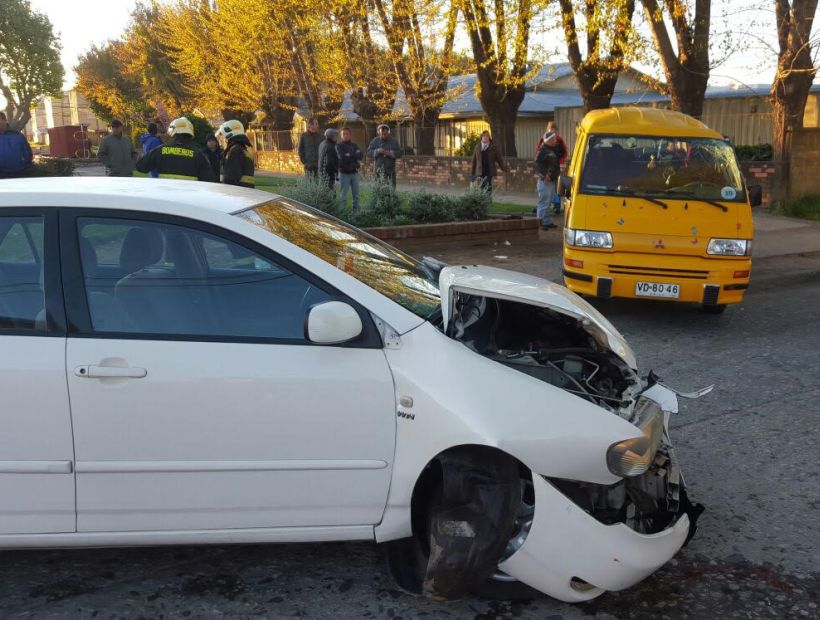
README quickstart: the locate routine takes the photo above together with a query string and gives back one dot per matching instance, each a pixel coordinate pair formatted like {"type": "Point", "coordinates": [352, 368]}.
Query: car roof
{"type": "Point", "coordinates": [645, 122]}
{"type": "Point", "coordinates": [144, 194]}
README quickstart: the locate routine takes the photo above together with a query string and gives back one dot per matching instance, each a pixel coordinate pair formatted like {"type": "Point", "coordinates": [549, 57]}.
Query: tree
{"type": "Point", "coordinates": [608, 23]}
{"type": "Point", "coordinates": [795, 70]}
{"type": "Point", "coordinates": [501, 62]}
{"type": "Point", "coordinates": [112, 91]}
{"type": "Point", "coordinates": [29, 60]}
{"type": "Point", "coordinates": [685, 66]}
{"type": "Point", "coordinates": [421, 52]}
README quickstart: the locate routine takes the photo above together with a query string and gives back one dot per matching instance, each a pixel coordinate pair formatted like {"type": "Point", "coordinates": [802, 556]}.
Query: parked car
{"type": "Point", "coordinates": [657, 209]}
{"type": "Point", "coordinates": [193, 363]}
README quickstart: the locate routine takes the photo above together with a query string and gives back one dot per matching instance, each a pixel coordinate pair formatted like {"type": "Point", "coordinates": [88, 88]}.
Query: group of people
{"type": "Point", "coordinates": [182, 158]}
{"type": "Point", "coordinates": [338, 157]}
{"type": "Point", "coordinates": [550, 155]}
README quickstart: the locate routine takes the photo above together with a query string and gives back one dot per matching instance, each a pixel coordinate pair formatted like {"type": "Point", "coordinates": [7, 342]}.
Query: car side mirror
{"type": "Point", "coordinates": [332, 322]}
{"type": "Point", "coordinates": [755, 195]}
{"type": "Point", "coordinates": [564, 186]}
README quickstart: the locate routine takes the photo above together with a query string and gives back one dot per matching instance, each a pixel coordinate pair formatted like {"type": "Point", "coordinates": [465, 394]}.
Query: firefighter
{"type": "Point", "coordinates": [237, 163]}
{"type": "Point", "coordinates": [181, 159]}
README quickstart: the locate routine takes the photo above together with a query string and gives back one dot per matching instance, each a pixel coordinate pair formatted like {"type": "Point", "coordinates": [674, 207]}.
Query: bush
{"type": "Point", "coordinates": [52, 167]}
{"type": "Point", "coordinates": [756, 152]}
{"type": "Point", "coordinates": [426, 208]}
{"type": "Point", "coordinates": [315, 193]}
{"type": "Point", "coordinates": [201, 128]}
{"type": "Point", "coordinates": [474, 205]}
{"type": "Point", "coordinates": [807, 207]}
{"type": "Point", "coordinates": [382, 201]}
{"type": "Point", "coordinates": [468, 146]}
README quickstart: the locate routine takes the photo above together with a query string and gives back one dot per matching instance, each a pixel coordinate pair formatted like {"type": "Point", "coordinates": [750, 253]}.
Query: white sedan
{"type": "Point", "coordinates": [193, 363]}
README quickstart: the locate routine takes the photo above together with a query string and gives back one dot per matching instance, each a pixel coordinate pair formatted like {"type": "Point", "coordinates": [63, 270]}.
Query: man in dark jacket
{"type": "Point", "coordinates": [181, 159]}
{"type": "Point", "coordinates": [486, 162]}
{"type": "Point", "coordinates": [213, 152]}
{"type": "Point", "coordinates": [385, 151]}
{"type": "Point", "coordinates": [117, 152]}
{"type": "Point", "coordinates": [350, 156]}
{"type": "Point", "coordinates": [328, 158]}
{"type": "Point", "coordinates": [547, 170]}
{"type": "Point", "coordinates": [15, 153]}
{"type": "Point", "coordinates": [238, 163]}
{"type": "Point", "coordinates": [309, 148]}
{"type": "Point", "coordinates": [150, 141]}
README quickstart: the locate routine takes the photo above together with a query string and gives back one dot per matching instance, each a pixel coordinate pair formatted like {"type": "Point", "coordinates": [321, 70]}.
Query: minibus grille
{"type": "Point", "coordinates": [687, 274]}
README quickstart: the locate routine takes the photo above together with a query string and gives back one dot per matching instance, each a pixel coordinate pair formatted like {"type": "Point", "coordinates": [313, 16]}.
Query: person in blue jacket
{"type": "Point", "coordinates": [15, 153]}
{"type": "Point", "coordinates": [150, 141]}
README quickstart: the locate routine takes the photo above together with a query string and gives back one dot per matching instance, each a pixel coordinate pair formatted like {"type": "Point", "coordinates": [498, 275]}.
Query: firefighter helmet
{"type": "Point", "coordinates": [229, 129]}
{"type": "Point", "coordinates": [181, 125]}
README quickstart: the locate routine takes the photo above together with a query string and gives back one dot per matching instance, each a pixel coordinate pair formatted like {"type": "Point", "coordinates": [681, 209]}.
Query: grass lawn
{"type": "Point", "coordinates": [807, 207]}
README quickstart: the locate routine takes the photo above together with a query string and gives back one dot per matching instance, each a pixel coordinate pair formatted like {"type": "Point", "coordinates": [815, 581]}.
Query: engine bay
{"type": "Point", "coordinates": [547, 345]}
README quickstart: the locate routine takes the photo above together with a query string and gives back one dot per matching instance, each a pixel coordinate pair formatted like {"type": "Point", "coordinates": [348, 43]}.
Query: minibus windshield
{"type": "Point", "coordinates": [662, 167]}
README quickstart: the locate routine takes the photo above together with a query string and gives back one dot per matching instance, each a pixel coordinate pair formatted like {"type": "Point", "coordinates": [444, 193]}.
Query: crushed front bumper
{"type": "Point", "coordinates": [566, 543]}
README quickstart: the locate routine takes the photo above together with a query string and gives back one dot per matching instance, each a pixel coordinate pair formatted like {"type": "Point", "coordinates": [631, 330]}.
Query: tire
{"type": "Point", "coordinates": [464, 507]}
{"type": "Point", "coordinates": [716, 309]}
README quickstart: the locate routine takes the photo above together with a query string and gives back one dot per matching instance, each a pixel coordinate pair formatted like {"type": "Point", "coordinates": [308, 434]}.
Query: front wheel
{"type": "Point", "coordinates": [464, 508]}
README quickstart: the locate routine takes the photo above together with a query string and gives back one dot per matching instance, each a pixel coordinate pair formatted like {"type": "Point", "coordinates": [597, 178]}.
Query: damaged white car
{"type": "Point", "coordinates": [193, 363]}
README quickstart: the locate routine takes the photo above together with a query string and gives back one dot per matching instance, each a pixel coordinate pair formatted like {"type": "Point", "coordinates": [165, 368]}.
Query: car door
{"type": "Point", "coordinates": [197, 401]}
{"type": "Point", "coordinates": [36, 451]}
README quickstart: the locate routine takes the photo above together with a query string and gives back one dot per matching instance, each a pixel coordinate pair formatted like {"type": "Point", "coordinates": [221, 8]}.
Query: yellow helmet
{"type": "Point", "coordinates": [181, 125]}
{"type": "Point", "coordinates": [229, 129]}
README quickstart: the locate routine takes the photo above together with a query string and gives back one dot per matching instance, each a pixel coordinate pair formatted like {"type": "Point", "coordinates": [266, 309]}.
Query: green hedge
{"type": "Point", "coordinates": [754, 152]}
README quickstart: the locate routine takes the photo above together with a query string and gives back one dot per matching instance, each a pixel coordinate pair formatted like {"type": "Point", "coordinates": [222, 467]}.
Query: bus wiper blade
{"type": "Point", "coordinates": [632, 194]}
{"type": "Point", "coordinates": [706, 200]}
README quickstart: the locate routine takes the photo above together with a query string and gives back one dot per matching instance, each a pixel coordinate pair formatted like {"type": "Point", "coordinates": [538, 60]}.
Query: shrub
{"type": "Point", "coordinates": [755, 152]}
{"type": "Point", "coordinates": [807, 207]}
{"type": "Point", "coordinates": [474, 205]}
{"type": "Point", "coordinates": [315, 193]}
{"type": "Point", "coordinates": [426, 208]}
{"type": "Point", "coordinates": [382, 201]}
{"type": "Point", "coordinates": [52, 167]}
{"type": "Point", "coordinates": [468, 146]}
{"type": "Point", "coordinates": [201, 128]}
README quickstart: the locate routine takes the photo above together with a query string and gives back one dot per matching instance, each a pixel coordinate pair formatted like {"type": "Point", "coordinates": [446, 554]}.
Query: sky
{"type": "Point", "coordinates": [83, 22]}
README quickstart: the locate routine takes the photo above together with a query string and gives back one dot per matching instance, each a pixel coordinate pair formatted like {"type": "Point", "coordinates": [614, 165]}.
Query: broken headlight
{"type": "Point", "coordinates": [632, 457]}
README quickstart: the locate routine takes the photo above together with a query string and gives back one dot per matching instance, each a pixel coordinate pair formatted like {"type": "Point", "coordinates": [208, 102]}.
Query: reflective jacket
{"type": "Point", "coordinates": [181, 159]}
{"type": "Point", "coordinates": [238, 165]}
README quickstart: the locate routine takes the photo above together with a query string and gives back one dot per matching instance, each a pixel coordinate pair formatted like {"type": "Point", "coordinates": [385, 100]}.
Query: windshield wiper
{"type": "Point", "coordinates": [706, 200]}
{"type": "Point", "coordinates": [631, 193]}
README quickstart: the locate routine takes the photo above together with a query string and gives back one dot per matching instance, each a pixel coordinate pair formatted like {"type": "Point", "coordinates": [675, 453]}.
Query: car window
{"type": "Point", "coordinates": [148, 278]}
{"type": "Point", "coordinates": [22, 298]}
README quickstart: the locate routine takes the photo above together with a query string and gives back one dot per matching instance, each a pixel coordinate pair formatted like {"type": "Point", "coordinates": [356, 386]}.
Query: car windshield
{"type": "Point", "coordinates": [382, 267]}
{"type": "Point", "coordinates": [700, 168]}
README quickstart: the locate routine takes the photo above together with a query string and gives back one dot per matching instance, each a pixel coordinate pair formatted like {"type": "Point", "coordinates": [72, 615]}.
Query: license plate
{"type": "Point", "coordinates": [657, 289]}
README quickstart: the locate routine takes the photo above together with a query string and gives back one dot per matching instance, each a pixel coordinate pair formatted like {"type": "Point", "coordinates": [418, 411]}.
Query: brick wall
{"type": "Point", "coordinates": [769, 175]}
{"type": "Point", "coordinates": [419, 170]}
{"type": "Point", "coordinates": [804, 172]}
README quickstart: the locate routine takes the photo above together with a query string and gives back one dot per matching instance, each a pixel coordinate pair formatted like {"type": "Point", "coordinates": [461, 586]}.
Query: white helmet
{"type": "Point", "coordinates": [181, 125]}
{"type": "Point", "coordinates": [229, 129]}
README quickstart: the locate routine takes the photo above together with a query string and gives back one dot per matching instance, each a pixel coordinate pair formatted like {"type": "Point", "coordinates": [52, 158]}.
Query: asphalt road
{"type": "Point", "coordinates": [749, 452]}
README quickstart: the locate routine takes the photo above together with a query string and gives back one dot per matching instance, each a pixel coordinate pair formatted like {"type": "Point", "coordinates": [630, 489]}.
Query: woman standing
{"type": "Point", "coordinates": [486, 161]}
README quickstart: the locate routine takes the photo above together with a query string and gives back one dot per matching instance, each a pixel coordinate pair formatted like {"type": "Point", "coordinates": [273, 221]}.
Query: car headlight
{"type": "Point", "coordinates": [729, 247]}
{"type": "Point", "coordinates": [588, 238]}
{"type": "Point", "coordinates": [632, 457]}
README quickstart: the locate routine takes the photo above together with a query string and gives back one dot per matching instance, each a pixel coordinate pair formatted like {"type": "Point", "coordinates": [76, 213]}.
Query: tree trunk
{"type": "Point", "coordinates": [424, 131]}
{"type": "Point", "coordinates": [501, 112]}
{"type": "Point", "coordinates": [687, 90]}
{"type": "Point", "coordinates": [596, 91]}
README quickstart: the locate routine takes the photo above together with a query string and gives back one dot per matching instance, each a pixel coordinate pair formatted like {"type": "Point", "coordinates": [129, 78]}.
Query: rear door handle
{"type": "Point", "coordinates": [107, 372]}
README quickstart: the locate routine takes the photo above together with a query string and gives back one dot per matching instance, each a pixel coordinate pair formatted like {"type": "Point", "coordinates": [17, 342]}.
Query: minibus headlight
{"type": "Point", "coordinates": [729, 247]}
{"type": "Point", "coordinates": [633, 457]}
{"type": "Point", "coordinates": [588, 238]}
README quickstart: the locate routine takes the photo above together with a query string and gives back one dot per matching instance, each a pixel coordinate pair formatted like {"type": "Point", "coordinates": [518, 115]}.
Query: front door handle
{"type": "Point", "coordinates": [110, 372]}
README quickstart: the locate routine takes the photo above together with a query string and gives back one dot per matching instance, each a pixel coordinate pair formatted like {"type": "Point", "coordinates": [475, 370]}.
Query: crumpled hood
{"type": "Point", "coordinates": [515, 286]}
